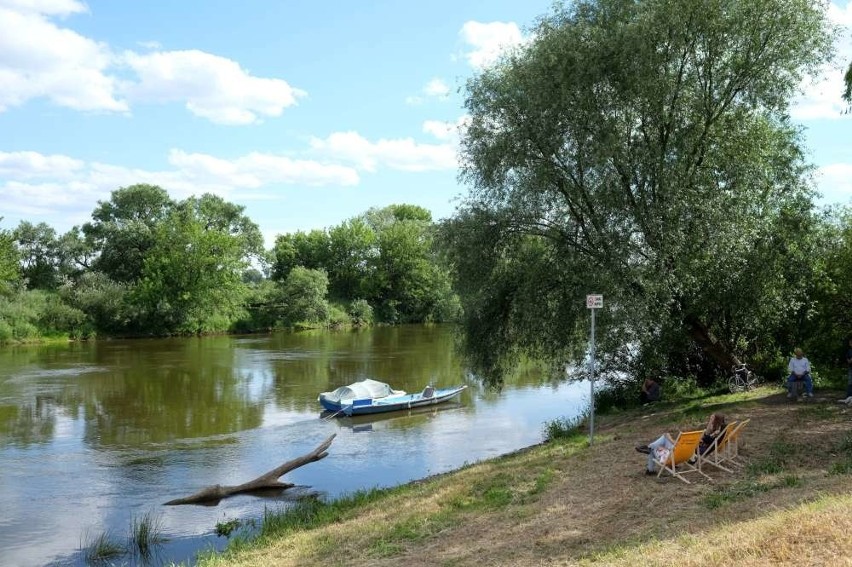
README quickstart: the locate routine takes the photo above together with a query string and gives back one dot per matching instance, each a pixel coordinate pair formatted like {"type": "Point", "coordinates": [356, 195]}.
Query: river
{"type": "Point", "coordinates": [93, 435]}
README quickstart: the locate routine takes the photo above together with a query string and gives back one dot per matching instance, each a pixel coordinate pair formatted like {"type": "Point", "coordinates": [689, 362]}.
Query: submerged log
{"type": "Point", "coordinates": [269, 481]}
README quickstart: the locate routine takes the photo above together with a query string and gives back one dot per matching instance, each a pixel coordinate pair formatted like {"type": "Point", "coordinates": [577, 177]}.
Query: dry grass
{"type": "Point", "coordinates": [565, 503]}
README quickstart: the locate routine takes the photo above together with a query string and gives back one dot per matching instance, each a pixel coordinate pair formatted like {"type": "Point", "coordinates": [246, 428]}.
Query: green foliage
{"type": "Point", "coordinates": [385, 256]}
{"type": "Point", "coordinates": [563, 428]}
{"type": "Point", "coordinates": [360, 312]}
{"type": "Point", "coordinates": [104, 301]}
{"type": "Point", "coordinates": [9, 263]}
{"type": "Point", "coordinates": [337, 316]}
{"type": "Point", "coordinates": [31, 315]}
{"type": "Point", "coordinates": [824, 320]}
{"type": "Point", "coordinates": [309, 250]}
{"type": "Point", "coordinates": [641, 150]}
{"type": "Point", "coordinates": [191, 279]}
{"type": "Point", "coordinates": [226, 527]}
{"type": "Point", "coordinates": [303, 296]}
{"type": "Point", "coordinates": [123, 229]}
{"type": "Point", "coordinates": [38, 250]}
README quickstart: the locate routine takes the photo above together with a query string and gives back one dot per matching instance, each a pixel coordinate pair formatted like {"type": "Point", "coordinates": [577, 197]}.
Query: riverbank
{"type": "Point", "coordinates": [565, 503]}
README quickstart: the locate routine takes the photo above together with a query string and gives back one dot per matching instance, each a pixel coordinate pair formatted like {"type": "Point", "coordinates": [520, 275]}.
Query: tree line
{"type": "Point", "coordinates": [146, 265]}
{"type": "Point", "coordinates": [639, 149]}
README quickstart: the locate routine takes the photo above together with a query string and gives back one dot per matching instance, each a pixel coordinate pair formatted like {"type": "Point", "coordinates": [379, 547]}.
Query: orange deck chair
{"type": "Point", "coordinates": [720, 451]}
{"type": "Point", "coordinates": [685, 447]}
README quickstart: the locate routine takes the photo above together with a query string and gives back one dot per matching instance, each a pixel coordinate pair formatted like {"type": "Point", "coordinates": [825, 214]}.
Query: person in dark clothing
{"type": "Point", "coordinates": [715, 428]}
{"type": "Point", "coordinates": [651, 391]}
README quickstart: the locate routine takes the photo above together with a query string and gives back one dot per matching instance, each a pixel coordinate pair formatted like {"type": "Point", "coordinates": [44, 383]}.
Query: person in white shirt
{"type": "Point", "coordinates": [800, 371]}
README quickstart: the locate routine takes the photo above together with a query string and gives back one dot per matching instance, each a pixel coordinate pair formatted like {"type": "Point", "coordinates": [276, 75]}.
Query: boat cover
{"type": "Point", "coordinates": [359, 390]}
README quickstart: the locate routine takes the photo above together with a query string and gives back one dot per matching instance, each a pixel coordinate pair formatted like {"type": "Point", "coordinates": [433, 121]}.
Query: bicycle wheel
{"type": "Point", "coordinates": [736, 384]}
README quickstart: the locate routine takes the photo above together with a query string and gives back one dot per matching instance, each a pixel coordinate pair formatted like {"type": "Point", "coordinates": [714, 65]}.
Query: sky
{"type": "Point", "coordinates": [305, 113]}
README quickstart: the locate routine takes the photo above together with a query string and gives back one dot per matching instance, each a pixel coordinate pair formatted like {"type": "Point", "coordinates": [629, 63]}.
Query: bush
{"type": "Point", "coordinates": [360, 313]}
{"type": "Point", "coordinates": [563, 427]}
{"type": "Point", "coordinates": [337, 316]}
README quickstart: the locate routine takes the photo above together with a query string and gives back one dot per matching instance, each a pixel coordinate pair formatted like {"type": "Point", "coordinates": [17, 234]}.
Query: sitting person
{"type": "Point", "coordinates": [800, 371]}
{"type": "Point", "coordinates": [661, 448]}
{"type": "Point", "coordinates": [651, 391]}
{"type": "Point", "coordinates": [714, 430]}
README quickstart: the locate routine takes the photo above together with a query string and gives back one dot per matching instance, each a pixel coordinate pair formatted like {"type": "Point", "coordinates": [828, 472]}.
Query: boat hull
{"type": "Point", "coordinates": [369, 406]}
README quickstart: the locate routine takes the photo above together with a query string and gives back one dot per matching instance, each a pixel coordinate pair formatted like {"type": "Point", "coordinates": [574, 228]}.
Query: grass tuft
{"type": "Point", "coordinates": [563, 428]}
{"type": "Point", "coordinates": [101, 548]}
{"type": "Point", "coordinates": [226, 527]}
{"type": "Point", "coordinates": [146, 534]}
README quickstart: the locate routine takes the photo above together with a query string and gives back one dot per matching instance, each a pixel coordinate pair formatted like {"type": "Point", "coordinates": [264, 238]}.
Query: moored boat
{"type": "Point", "coordinates": [370, 396]}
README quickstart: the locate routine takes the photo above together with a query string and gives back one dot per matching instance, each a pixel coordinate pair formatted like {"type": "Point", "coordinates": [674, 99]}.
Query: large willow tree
{"type": "Point", "coordinates": [639, 149]}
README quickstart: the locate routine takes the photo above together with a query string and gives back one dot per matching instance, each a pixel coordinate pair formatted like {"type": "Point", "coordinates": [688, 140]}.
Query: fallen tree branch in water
{"type": "Point", "coordinates": [213, 494]}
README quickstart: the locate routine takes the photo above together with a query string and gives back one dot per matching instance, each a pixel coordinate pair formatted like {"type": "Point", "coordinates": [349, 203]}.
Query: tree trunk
{"type": "Point", "coordinates": [213, 494]}
{"type": "Point", "coordinates": [710, 344]}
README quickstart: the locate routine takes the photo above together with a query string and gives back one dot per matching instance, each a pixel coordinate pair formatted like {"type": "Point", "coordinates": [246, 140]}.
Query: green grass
{"type": "Point", "coordinates": [844, 449]}
{"type": "Point", "coordinates": [780, 453]}
{"type": "Point", "coordinates": [563, 428]}
{"type": "Point", "coordinates": [817, 412]}
{"type": "Point", "coordinates": [748, 488]}
{"type": "Point", "coordinates": [226, 527]}
{"type": "Point", "coordinates": [762, 475]}
{"type": "Point", "coordinates": [146, 534]}
{"type": "Point", "coordinates": [101, 548]}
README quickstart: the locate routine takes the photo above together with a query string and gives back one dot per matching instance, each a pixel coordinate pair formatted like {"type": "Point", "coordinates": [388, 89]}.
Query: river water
{"type": "Point", "coordinates": [95, 435]}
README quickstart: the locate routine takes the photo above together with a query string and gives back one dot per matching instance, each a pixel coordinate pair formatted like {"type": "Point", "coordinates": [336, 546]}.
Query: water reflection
{"type": "Point", "coordinates": [94, 434]}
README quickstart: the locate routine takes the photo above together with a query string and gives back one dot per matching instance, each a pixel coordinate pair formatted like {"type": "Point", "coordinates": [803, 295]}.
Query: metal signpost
{"type": "Point", "coordinates": [593, 302]}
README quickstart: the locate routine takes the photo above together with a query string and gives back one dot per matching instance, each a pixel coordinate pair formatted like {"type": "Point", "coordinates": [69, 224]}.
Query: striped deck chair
{"type": "Point", "coordinates": [719, 451]}
{"type": "Point", "coordinates": [732, 448]}
{"type": "Point", "coordinates": [684, 449]}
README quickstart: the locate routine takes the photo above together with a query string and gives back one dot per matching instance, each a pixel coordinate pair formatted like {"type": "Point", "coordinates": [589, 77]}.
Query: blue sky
{"type": "Point", "coordinates": [306, 113]}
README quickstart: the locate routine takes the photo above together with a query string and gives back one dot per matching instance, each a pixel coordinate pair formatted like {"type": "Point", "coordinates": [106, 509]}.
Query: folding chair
{"type": "Point", "coordinates": [732, 449]}
{"type": "Point", "coordinates": [684, 449]}
{"type": "Point", "coordinates": [719, 451]}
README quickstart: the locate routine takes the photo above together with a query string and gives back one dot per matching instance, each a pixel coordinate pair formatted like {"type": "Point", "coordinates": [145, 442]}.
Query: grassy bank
{"type": "Point", "coordinates": [565, 503]}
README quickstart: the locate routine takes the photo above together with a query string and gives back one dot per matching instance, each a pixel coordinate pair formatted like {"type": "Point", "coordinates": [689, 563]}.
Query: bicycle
{"type": "Point", "coordinates": [742, 379]}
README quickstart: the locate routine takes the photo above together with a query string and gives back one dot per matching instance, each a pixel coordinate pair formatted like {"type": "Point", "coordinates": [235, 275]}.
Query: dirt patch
{"type": "Point", "coordinates": [602, 498]}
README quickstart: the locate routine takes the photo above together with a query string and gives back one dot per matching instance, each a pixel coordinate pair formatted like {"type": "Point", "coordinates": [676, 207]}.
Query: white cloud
{"type": "Point", "coordinates": [39, 59]}
{"type": "Point", "coordinates": [213, 87]}
{"type": "Point", "coordinates": [47, 7]}
{"type": "Point", "coordinates": [487, 41]}
{"type": "Point", "coordinates": [820, 96]}
{"type": "Point", "coordinates": [150, 44]}
{"type": "Point", "coordinates": [257, 169]}
{"type": "Point", "coordinates": [33, 184]}
{"type": "Point", "coordinates": [402, 154]}
{"type": "Point", "coordinates": [436, 89]}
{"type": "Point", "coordinates": [448, 131]}
{"type": "Point", "coordinates": [29, 165]}
{"type": "Point", "coordinates": [835, 183]}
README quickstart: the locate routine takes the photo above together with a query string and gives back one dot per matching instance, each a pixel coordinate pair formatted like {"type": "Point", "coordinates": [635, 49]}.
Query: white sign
{"type": "Point", "coordinates": [594, 301]}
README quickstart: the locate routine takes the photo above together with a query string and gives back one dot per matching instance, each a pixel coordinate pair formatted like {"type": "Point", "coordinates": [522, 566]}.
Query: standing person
{"type": "Point", "coordinates": [800, 371]}
{"type": "Point", "coordinates": [651, 391]}
{"type": "Point", "coordinates": [848, 399]}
